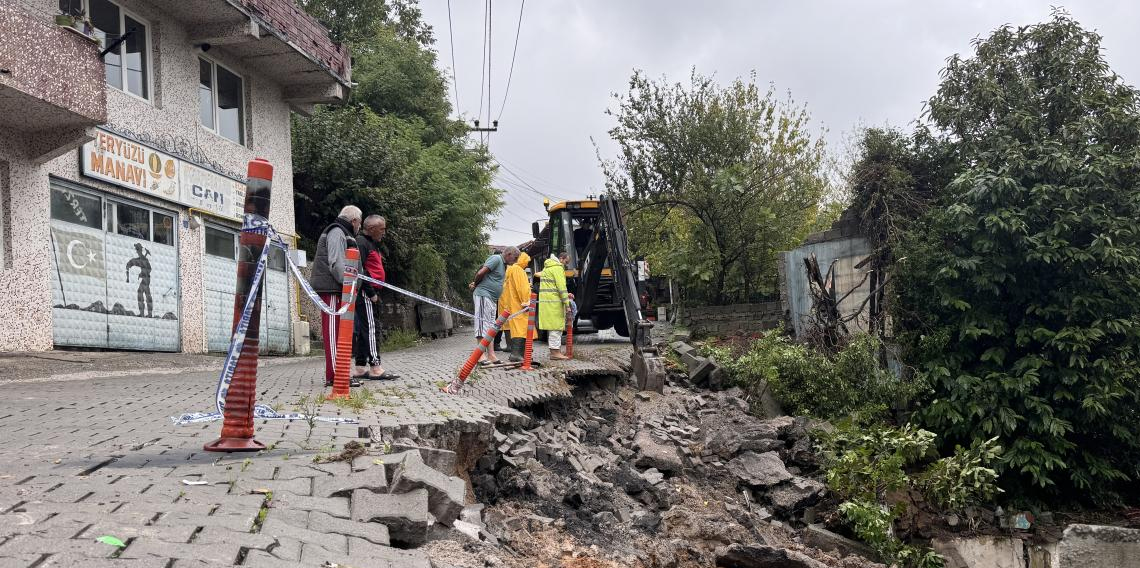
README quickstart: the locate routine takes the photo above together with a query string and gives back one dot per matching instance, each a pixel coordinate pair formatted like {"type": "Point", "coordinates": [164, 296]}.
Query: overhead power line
{"type": "Point", "coordinates": [490, 42]}
{"type": "Point", "coordinates": [519, 171]}
{"type": "Point", "coordinates": [527, 185]}
{"type": "Point", "coordinates": [483, 71]}
{"type": "Point", "coordinates": [514, 52]}
{"type": "Point", "coordinates": [454, 78]}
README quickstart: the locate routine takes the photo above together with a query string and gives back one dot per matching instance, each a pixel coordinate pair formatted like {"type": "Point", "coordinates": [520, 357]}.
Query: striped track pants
{"type": "Point", "coordinates": [364, 347]}
{"type": "Point", "coordinates": [328, 326]}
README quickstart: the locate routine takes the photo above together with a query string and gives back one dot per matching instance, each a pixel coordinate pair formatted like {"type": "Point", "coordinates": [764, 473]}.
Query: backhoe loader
{"type": "Point", "coordinates": [601, 276]}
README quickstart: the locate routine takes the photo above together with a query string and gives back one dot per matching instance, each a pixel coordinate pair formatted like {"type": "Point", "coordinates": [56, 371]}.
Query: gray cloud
{"type": "Point", "coordinates": [852, 63]}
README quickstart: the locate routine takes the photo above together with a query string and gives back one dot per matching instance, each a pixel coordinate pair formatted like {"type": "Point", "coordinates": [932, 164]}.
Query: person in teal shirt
{"type": "Point", "coordinates": [486, 289]}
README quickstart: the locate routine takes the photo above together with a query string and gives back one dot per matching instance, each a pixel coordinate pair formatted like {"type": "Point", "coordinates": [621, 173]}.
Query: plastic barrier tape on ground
{"type": "Point", "coordinates": [258, 224]}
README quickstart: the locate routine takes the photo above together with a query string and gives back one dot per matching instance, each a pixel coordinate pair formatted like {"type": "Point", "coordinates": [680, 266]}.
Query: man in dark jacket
{"type": "Point", "coordinates": [328, 276]}
{"type": "Point", "coordinates": [364, 347]}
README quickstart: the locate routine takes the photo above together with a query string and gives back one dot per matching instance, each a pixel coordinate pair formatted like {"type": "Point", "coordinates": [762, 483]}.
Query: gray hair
{"type": "Point", "coordinates": [351, 212]}
{"type": "Point", "coordinates": [511, 251]}
{"type": "Point", "coordinates": [373, 219]}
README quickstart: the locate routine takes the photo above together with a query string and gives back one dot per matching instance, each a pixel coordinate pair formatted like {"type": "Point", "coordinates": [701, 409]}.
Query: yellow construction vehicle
{"type": "Point", "coordinates": [601, 276]}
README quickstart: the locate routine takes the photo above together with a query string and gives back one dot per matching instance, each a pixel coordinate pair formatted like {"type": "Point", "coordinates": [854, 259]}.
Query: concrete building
{"type": "Point", "coordinates": [124, 135]}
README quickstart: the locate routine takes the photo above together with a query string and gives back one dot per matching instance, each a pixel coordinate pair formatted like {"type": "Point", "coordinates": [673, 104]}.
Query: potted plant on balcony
{"type": "Point", "coordinates": [77, 20]}
{"type": "Point", "coordinates": [64, 19]}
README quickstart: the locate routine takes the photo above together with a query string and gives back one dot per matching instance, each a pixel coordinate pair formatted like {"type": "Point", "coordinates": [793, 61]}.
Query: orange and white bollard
{"type": "Point", "coordinates": [569, 334]}
{"type": "Point", "coordinates": [531, 331]}
{"type": "Point", "coordinates": [484, 345]}
{"type": "Point", "coordinates": [237, 417]}
{"type": "Point", "coordinates": [342, 371]}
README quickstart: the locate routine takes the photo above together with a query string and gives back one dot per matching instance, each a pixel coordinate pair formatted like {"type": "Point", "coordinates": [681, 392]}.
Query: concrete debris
{"type": "Point", "coordinates": [761, 556]}
{"type": "Point", "coordinates": [759, 470]}
{"type": "Point", "coordinates": [406, 515]}
{"type": "Point", "coordinates": [656, 479]}
{"type": "Point", "coordinates": [793, 496]}
{"type": "Point", "coordinates": [652, 454]}
{"type": "Point", "coordinates": [445, 494]}
{"type": "Point", "coordinates": [827, 541]}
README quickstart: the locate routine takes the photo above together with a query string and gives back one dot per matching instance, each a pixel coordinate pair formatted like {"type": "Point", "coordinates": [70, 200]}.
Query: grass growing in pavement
{"type": "Point", "coordinates": [397, 339]}
{"type": "Point", "coordinates": [262, 513]}
{"type": "Point", "coordinates": [358, 399]}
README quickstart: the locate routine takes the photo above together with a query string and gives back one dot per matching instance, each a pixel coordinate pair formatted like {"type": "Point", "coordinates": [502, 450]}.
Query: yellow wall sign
{"type": "Point", "coordinates": [120, 161]}
{"type": "Point", "coordinates": [124, 162]}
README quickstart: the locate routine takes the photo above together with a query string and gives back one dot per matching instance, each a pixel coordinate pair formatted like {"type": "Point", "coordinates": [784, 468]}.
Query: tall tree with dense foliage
{"type": "Point", "coordinates": [1024, 279]}
{"type": "Point", "coordinates": [393, 150]}
{"type": "Point", "coordinates": [717, 180]}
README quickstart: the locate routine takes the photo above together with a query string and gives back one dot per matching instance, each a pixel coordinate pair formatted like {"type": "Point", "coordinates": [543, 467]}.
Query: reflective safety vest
{"type": "Point", "coordinates": [553, 300]}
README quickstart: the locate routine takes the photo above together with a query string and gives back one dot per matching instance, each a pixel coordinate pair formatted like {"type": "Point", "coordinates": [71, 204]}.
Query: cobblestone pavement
{"type": "Point", "coordinates": [86, 456]}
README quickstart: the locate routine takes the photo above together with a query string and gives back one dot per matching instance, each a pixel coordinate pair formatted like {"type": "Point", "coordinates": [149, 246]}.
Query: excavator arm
{"type": "Point", "coordinates": [648, 367]}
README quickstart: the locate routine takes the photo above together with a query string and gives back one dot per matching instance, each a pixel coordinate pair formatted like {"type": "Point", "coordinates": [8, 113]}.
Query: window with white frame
{"type": "Point", "coordinates": [128, 64]}
{"type": "Point", "coordinates": [221, 100]}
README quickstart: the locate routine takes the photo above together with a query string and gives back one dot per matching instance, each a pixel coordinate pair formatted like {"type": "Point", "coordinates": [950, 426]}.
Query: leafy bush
{"type": "Point", "coordinates": [396, 339]}
{"type": "Point", "coordinates": [806, 382]}
{"type": "Point", "coordinates": [1017, 297]}
{"type": "Point", "coordinates": [870, 466]}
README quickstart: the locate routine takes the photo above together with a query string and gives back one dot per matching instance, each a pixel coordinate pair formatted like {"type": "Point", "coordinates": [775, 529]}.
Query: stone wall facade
{"type": "Point", "coordinates": [736, 318]}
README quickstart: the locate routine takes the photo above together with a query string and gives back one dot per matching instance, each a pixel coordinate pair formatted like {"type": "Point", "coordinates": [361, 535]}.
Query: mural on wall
{"type": "Point", "coordinates": [81, 271]}
{"type": "Point", "coordinates": [143, 265]}
{"type": "Point", "coordinates": [81, 260]}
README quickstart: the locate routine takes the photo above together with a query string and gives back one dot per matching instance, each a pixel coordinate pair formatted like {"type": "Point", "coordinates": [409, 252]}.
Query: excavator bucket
{"type": "Point", "coordinates": [648, 370]}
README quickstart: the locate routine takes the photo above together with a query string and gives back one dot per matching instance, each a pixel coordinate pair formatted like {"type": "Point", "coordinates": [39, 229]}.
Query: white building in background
{"type": "Point", "coordinates": [123, 146]}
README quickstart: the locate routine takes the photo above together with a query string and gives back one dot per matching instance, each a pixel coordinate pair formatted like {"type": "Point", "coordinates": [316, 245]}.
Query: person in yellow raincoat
{"type": "Point", "coordinates": [515, 296]}
{"type": "Point", "coordinates": [553, 302]}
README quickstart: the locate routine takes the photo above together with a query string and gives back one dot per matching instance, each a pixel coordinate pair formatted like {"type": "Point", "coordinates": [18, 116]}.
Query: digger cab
{"type": "Point", "coordinates": [577, 228]}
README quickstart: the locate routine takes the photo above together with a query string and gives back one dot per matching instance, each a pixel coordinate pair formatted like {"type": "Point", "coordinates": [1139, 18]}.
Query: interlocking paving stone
{"type": "Point", "coordinates": [221, 552]}
{"type": "Point", "coordinates": [79, 561]}
{"type": "Point", "coordinates": [406, 515]}
{"type": "Point", "coordinates": [375, 533]}
{"type": "Point", "coordinates": [445, 494]}
{"type": "Point", "coordinates": [100, 456]}
{"type": "Point", "coordinates": [259, 559]}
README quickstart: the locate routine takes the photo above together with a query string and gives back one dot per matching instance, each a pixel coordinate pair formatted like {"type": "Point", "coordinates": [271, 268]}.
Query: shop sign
{"type": "Point", "coordinates": [204, 189]}
{"type": "Point", "coordinates": [124, 162]}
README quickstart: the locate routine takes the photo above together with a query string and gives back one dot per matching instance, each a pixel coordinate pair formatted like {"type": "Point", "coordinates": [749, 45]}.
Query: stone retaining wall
{"type": "Point", "coordinates": [726, 320]}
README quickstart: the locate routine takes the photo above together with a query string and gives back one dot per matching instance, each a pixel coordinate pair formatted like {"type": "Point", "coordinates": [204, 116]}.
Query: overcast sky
{"type": "Point", "coordinates": [852, 63]}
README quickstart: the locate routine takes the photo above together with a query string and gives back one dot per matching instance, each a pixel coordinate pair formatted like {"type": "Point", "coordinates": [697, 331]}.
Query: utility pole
{"type": "Point", "coordinates": [494, 127]}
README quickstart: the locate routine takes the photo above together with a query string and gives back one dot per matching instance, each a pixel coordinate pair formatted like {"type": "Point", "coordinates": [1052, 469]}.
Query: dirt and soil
{"type": "Point", "coordinates": [618, 478]}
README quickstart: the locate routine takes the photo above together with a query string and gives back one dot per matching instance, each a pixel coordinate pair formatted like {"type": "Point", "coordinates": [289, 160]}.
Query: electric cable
{"type": "Point", "coordinates": [514, 52]}
{"type": "Point", "coordinates": [483, 65]}
{"type": "Point", "coordinates": [454, 79]}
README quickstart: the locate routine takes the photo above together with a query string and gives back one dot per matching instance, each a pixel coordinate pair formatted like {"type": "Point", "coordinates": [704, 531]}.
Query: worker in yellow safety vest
{"type": "Point", "coordinates": [554, 302]}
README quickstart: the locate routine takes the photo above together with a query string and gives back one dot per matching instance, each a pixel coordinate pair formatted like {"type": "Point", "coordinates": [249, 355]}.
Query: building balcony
{"type": "Point", "coordinates": [51, 83]}
{"type": "Point", "coordinates": [276, 37]}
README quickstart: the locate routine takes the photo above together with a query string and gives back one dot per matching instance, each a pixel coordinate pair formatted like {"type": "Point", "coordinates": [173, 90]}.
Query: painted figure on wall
{"type": "Point", "coordinates": [140, 261]}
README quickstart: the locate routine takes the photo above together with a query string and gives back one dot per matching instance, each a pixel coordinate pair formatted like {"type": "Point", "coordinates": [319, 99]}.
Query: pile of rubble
{"type": "Point", "coordinates": [640, 479]}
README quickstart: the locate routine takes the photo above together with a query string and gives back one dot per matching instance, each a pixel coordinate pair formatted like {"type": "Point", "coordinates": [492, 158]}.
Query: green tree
{"type": "Point", "coordinates": [392, 150]}
{"type": "Point", "coordinates": [356, 21]}
{"type": "Point", "coordinates": [1025, 277]}
{"type": "Point", "coordinates": [717, 179]}
{"type": "Point", "coordinates": [398, 76]}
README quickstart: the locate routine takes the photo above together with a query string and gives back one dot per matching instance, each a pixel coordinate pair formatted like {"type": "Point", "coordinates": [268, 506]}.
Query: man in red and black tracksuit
{"type": "Point", "coordinates": [364, 347]}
